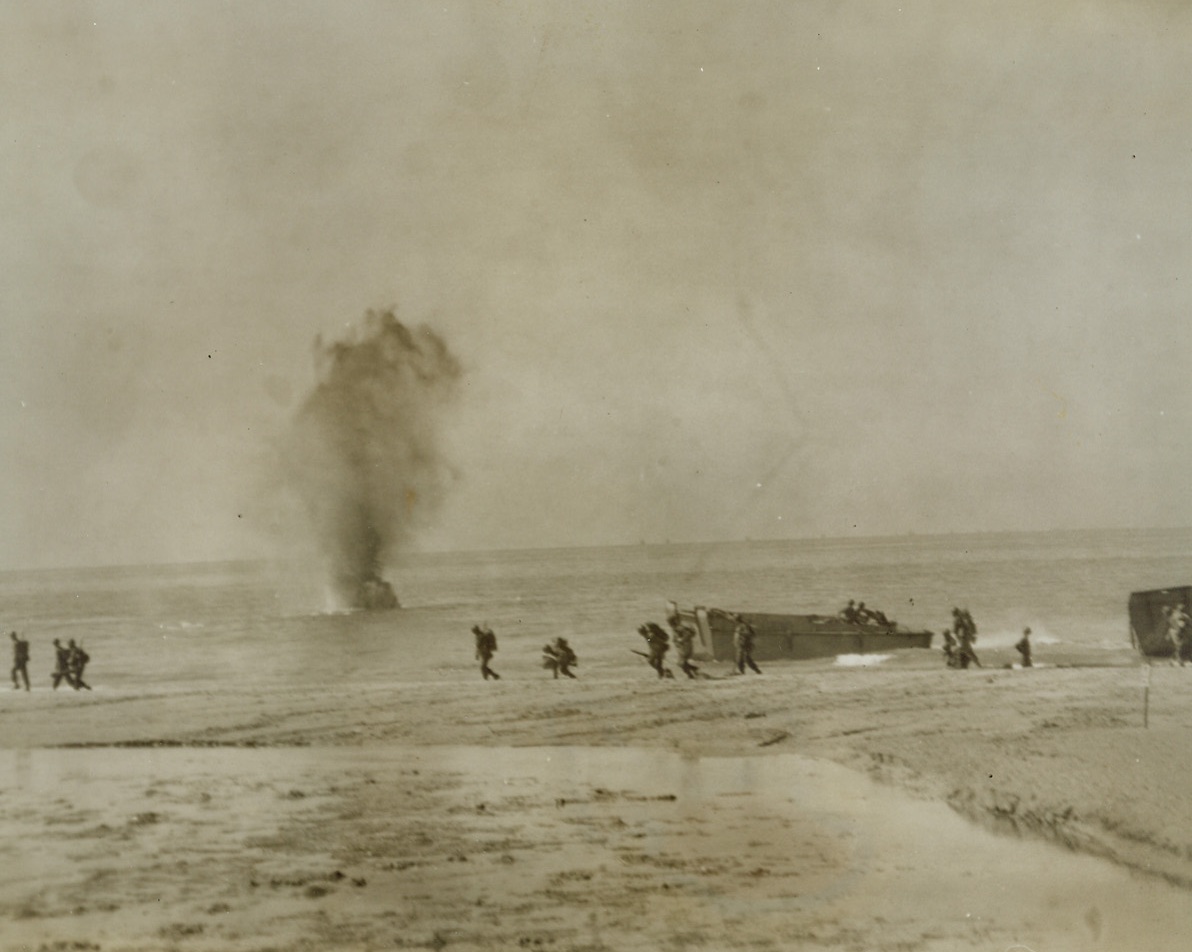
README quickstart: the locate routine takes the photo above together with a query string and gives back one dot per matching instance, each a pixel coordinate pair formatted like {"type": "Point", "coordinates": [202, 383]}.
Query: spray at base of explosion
{"type": "Point", "coordinates": [363, 453]}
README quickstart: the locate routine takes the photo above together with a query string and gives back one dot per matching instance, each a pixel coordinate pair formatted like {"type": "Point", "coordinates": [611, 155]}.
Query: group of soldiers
{"type": "Point", "coordinates": [658, 643]}
{"type": "Point", "coordinates": [855, 613]}
{"type": "Point", "coordinates": [960, 638]}
{"type": "Point", "coordinates": [682, 636]}
{"type": "Point", "coordinates": [559, 658]}
{"type": "Point", "coordinates": [70, 661]}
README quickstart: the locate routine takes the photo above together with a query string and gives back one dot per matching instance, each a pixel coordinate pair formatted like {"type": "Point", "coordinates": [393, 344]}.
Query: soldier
{"type": "Point", "coordinates": [486, 647]}
{"type": "Point", "coordinates": [1177, 633]}
{"type": "Point", "coordinates": [77, 660]}
{"type": "Point", "coordinates": [849, 612]}
{"type": "Point", "coordinates": [743, 636]}
{"type": "Point", "coordinates": [61, 665]}
{"type": "Point", "coordinates": [966, 631]}
{"type": "Point", "coordinates": [657, 645]}
{"type": "Point", "coordinates": [566, 658]}
{"type": "Point", "coordinates": [1024, 647]}
{"type": "Point", "coordinates": [20, 661]}
{"type": "Point", "coordinates": [684, 639]}
{"type": "Point", "coordinates": [550, 659]}
{"type": "Point", "coordinates": [949, 648]}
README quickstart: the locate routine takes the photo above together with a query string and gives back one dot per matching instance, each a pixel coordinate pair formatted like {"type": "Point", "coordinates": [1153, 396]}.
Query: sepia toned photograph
{"type": "Point", "coordinates": [486, 475]}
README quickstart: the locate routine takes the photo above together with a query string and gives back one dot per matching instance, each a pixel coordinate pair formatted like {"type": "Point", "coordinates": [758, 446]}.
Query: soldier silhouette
{"type": "Point", "coordinates": [61, 665]}
{"type": "Point", "coordinates": [486, 646]}
{"type": "Point", "coordinates": [20, 661]}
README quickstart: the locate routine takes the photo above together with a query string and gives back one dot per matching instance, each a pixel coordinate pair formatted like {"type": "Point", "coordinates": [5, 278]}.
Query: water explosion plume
{"type": "Point", "coordinates": [364, 454]}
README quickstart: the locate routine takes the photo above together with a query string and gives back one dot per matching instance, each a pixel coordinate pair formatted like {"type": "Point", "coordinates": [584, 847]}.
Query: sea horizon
{"type": "Point", "coordinates": [414, 550]}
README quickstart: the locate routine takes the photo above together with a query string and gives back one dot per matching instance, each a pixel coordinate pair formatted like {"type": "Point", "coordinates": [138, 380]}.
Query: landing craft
{"type": "Point", "coordinates": [1148, 618]}
{"type": "Point", "coordinates": [371, 594]}
{"type": "Point", "coordinates": [794, 636]}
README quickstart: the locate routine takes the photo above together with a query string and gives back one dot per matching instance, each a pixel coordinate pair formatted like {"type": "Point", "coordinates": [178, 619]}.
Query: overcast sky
{"type": "Point", "coordinates": [713, 270]}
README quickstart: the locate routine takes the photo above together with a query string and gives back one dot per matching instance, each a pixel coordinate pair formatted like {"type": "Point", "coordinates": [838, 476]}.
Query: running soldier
{"type": "Point", "coordinates": [77, 660]}
{"type": "Point", "coordinates": [657, 645]}
{"type": "Point", "coordinates": [743, 636]}
{"type": "Point", "coordinates": [550, 658]}
{"type": "Point", "coordinates": [20, 661]}
{"type": "Point", "coordinates": [566, 658]}
{"type": "Point", "coordinates": [966, 631]}
{"type": "Point", "coordinates": [684, 640]}
{"type": "Point", "coordinates": [949, 648]}
{"type": "Point", "coordinates": [486, 647]}
{"type": "Point", "coordinates": [61, 665]}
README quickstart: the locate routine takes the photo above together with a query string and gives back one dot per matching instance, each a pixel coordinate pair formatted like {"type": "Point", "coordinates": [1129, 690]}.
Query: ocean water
{"type": "Point", "coordinates": [169, 627]}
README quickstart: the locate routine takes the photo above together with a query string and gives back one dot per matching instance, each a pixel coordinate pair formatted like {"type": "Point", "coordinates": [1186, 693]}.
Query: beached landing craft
{"type": "Point", "coordinates": [795, 636]}
{"type": "Point", "coordinates": [1148, 618]}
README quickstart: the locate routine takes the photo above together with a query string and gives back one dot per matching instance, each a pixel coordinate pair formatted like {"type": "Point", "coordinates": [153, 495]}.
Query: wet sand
{"type": "Point", "coordinates": [397, 815]}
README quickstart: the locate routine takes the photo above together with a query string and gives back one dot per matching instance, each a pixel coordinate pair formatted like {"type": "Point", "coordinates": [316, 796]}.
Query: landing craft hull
{"type": "Point", "coordinates": [1148, 618]}
{"type": "Point", "coordinates": [795, 636]}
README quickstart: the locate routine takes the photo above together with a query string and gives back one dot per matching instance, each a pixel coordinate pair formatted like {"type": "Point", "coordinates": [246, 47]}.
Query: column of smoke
{"type": "Point", "coordinates": [364, 454]}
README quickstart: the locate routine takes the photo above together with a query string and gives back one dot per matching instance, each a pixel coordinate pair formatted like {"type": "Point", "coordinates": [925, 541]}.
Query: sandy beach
{"type": "Point", "coordinates": [433, 814]}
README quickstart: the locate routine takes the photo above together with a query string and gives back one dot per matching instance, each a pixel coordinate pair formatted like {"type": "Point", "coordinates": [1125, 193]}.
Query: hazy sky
{"type": "Point", "coordinates": [712, 269]}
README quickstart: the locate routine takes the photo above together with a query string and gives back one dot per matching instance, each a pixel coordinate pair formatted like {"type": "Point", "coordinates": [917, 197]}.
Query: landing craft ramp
{"type": "Point", "coordinates": [1148, 618]}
